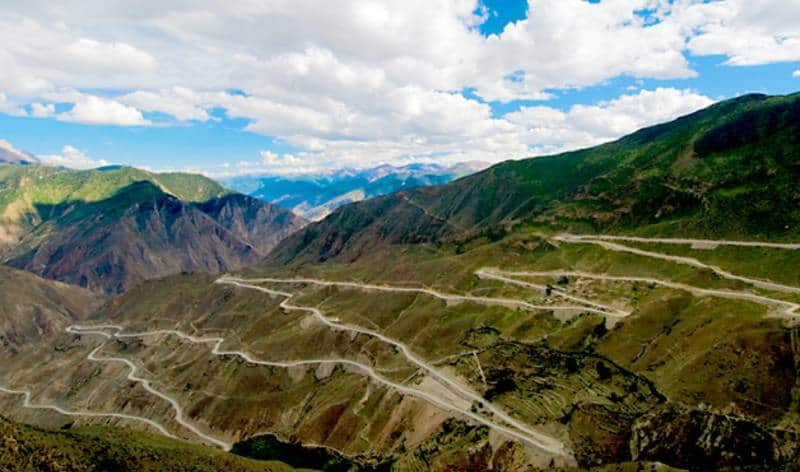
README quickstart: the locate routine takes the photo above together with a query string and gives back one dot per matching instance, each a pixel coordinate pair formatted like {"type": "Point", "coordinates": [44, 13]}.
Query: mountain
{"type": "Point", "coordinates": [109, 229]}
{"type": "Point", "coordinates": [316, 196]}
{"type": "Point", "coordinates": [730, 169]}
{"type": "Point", "coordinates": [33, 308]}
{"type": "Point", "coordinates": [105, 448]}
{"type": "Point", "coordinates": [546, 314]}
{"type": "Point", "coordinates": [11, 155]}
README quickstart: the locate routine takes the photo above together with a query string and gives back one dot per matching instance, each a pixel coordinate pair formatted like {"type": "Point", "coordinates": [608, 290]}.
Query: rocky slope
{"type": "Point", "coordinates": [105, 231]}
{"type": "Point", "coordinates": [33, 309]}
{"type": "Point", "coordinates": [600, 355]}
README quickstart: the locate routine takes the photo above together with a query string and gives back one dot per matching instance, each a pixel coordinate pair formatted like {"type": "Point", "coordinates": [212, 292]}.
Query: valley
{"type": "Point", "coordinates": [386, 236]}
{"type": "Point", "coordinates": [570, 312]}
{"type": "Point", "coordinates": [447, 388]}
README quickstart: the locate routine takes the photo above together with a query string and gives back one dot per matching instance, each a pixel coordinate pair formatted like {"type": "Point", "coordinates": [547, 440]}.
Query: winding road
{"type": "Point", "coordinates": [489, 415]}
{"type": "Point", "coordinates": [26, 403]}
{"type": "Point", "coordinates": [531, 436]}
{"type": "Point", "coordinates": [448, 297]}
{"type": "Point", "coordinates": [132, 371]}
{"type": "Point", "coordinates": [540, 441]}
{"type": "Point", "coordinates": [764, 284]}
{"type": "Point", "coordinates": [705, 243]}
{"type": "Point", "coordinates": [790, 309]}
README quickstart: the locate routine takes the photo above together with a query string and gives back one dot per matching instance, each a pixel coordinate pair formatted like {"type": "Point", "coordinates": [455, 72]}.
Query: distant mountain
{"type": "Point", "coordinates": [110, 229]}
{"type": "Point", "coordinates": [11, 155]}
{"type": "Point", "coordinates": [731, 169]}
{"type": "Point", "coordinates": [316, 196]}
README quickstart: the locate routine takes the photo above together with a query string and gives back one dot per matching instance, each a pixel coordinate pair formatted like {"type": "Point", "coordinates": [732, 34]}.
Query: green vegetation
{"type": "Point", "coordinates": [269, 447]}
{"type": "Point", "coordinates": [687, 177]}
{"type": "Point", "coordinates": [628, 360]}
{"type": "Point", "coordinates": [39, 185]}
{"type": "Point", "coordinates": [25, 448]}
{"type": "Point", "coordinates": [107, 230]}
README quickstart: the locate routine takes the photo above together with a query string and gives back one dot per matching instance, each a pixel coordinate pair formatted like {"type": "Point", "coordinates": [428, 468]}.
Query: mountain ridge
{"type": "Point", "coordinates": [671, 177]}
{"type": "Point", "coordinates": [314, 196]}
{"type": "Point", "coordinates": [109, 229]}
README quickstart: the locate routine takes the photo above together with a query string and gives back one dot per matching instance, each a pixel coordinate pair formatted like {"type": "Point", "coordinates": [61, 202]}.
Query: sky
{"type": "Point", "coordinates": [302, 86]}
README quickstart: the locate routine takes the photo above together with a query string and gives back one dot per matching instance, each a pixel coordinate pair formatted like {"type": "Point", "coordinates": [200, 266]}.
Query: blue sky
{"type": "Point", "coordinates": [373, 82]}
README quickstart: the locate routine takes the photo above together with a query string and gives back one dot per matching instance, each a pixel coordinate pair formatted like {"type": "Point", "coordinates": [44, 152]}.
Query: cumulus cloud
{"type": "Point", "coordinates": [355, 81]}
{"type": "Point", "coordinates": [178, 102]}
{"type": "Point", "coordinates": [71, 157]}
{"type": "Point", "coordinates": [549, 130]}
{"type": "Point", "coordinates": [38, 56]}
{"type": "Point", "coordinates": [94, 110]}
{"type": "Point", "coordinates": [796, 74]}
{"type": "Point", "coordinates": [272, 158]}
{"type": "Point", "coordinates": [747, 32]}
{"type": "Point", "coordinates": [42, 110]}
{"type": "Point", "coordinates": [10, 108]}
{"type": "Point", "coordinates": [564, 44]}
{"type": "Point", "coordinates": [110, 57]}
{"type": "Point", "coordinates": [8, 153]}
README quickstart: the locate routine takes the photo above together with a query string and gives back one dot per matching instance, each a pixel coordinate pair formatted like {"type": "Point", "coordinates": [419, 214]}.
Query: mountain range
{"type": "Point", "coordinates": [315, 196]}
{"type": "Point", "coordinates": [108, 229]}
{"type": "Point", "coordinates": [630, 306]}
{"type": "Point", "coordinates": [728, 170]}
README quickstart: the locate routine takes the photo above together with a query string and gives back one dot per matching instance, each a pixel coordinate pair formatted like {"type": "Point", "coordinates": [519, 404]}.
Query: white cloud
{"type": "Point", "coordinates": [8, 153]}
{"type": "Point", "coordinates": [747, 32]}
{"type": "Point", "coordinates": [71, 157]}
{"type": "Point", "coordinates": [796, 74]}
{"type": "Point", "coordinates": [549, 130]}
{"type": "Point", "coordinates": [37, 56]}
{"type": "Point", "coordinates": [42, 110]}
{"type": "Point", "coordinates": [450, 129]}
{"type": "Point", "coordinates": [94, 110]}
{"type": "Point", "coordinates": [358, 81]}
{"type": "Point", "coordinates": [178, 102]}
{"type": "Point", "coordinates": [10, 108]}
{"type": "Point", "coordinates": [565, 43]}
{"type": "Point", "coordinates": [111, 57]}
{"type": "Point", "coordinates": [271, 158]}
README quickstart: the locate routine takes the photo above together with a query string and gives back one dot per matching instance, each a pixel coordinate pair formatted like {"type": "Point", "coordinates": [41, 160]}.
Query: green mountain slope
{"type": "Point", "coordinates": [506, 344]}
{"type": "Point", "coordinates": [730, 169]}
{"type": "Point", "coordinates": [109, 229]}
{"type": "Point", "coordinates": [26, 448]}
{"type": "Point", "coordinates": [23, 189]}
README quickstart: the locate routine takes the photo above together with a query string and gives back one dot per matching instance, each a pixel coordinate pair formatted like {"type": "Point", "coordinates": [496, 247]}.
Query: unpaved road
{"type": "Point", "coordinates": [764, 284]}
{"type": "Point", "coordinates": [530, 435]}
{"type": "Point", "coordinates": [448, 297]}
{"type": "Point", "coordinates": [594, 307]}
{"type": "Point", "coordinates": [132, 371]}
{"type": "Point", "coordinates": [699, 243]}
{"type": "Point", "coordinates": [26, 403]}
{"type": "Point", "coordinates": [509, 425]}
{"type": "Point", "coordinates": [789, 309]}
{"type": "Point", "coordinates": [370, 372]}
